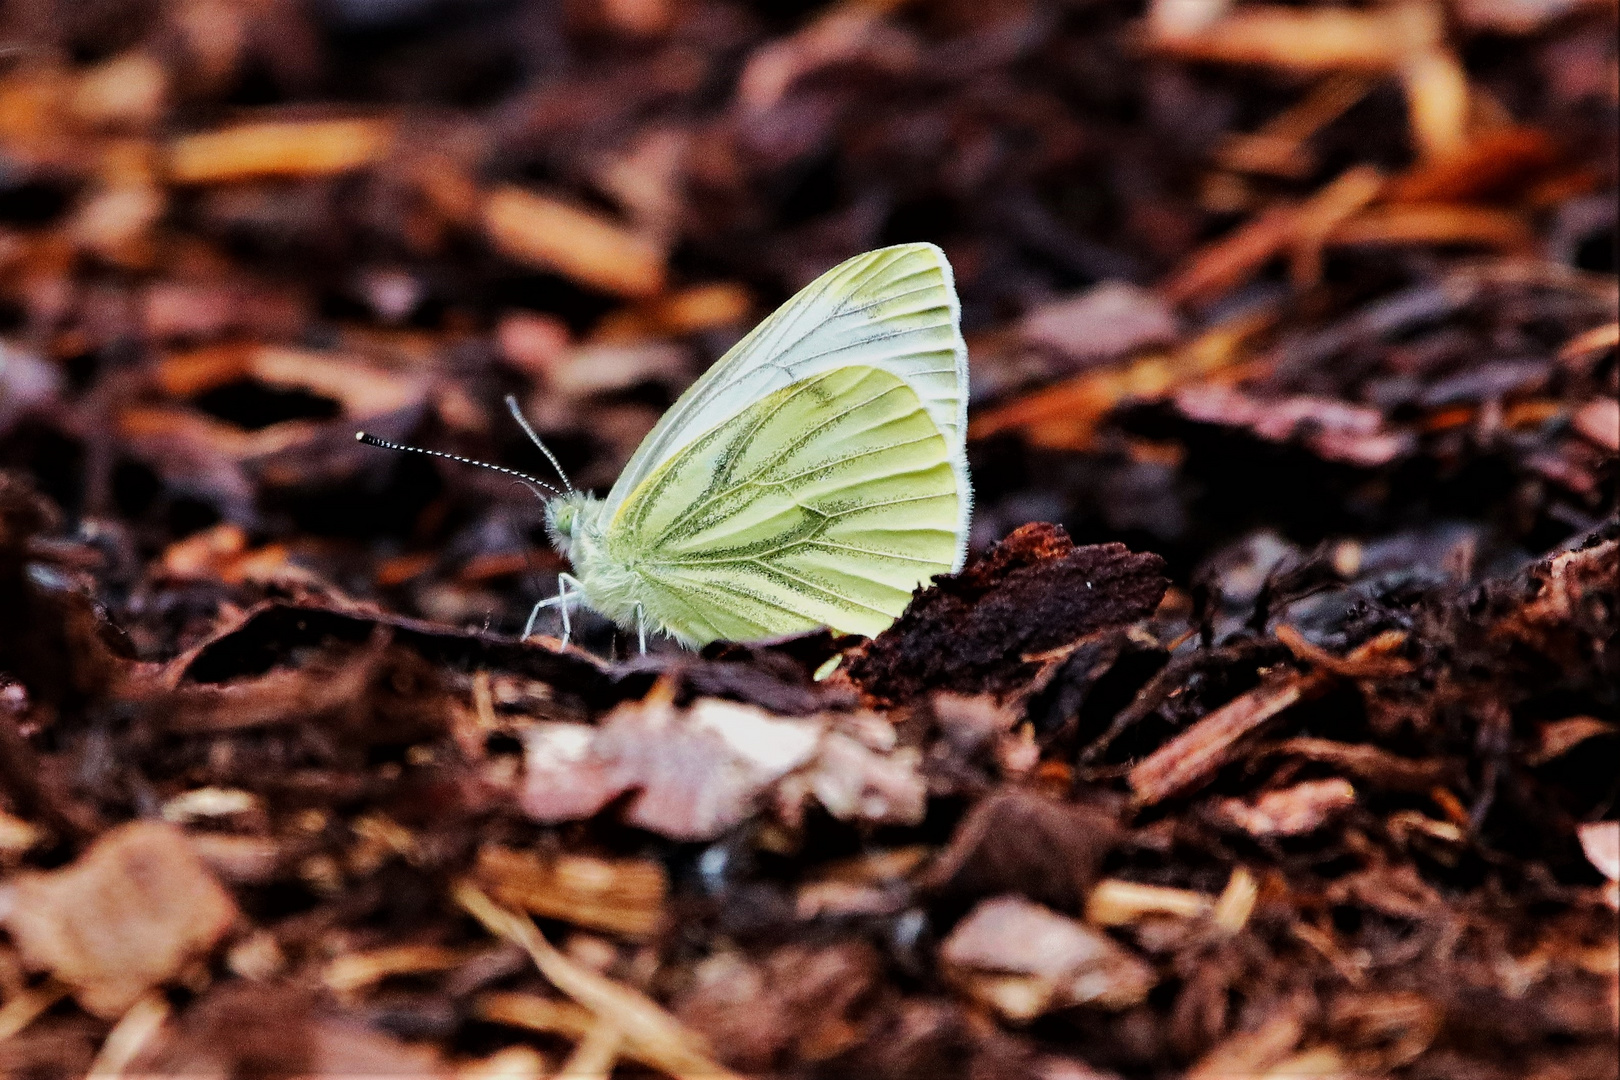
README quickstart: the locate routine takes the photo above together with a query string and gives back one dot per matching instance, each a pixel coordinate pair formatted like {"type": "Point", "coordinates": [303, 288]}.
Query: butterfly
{"type": "Point", "coordinates": [814, 476]}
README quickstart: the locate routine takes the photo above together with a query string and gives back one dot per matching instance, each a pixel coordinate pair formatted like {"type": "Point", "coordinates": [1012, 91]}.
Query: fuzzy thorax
{"type": "Point", "coordinates": [574, 523]}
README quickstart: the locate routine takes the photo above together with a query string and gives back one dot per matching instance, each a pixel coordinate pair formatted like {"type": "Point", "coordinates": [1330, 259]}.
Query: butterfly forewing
{"type": "Point", "coordinates": [824, 503]}
{"type": "Point", "coordinates": [893, 309]}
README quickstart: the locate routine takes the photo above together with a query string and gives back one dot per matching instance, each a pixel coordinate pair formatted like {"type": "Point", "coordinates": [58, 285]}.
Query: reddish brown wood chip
{"type": "Point", "coordinates": [976, 631]}
{"type": "Point", "coordinates": [1192, 758]}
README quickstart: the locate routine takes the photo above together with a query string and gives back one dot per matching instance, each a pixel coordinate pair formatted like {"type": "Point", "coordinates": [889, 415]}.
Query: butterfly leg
{"type": "Point", "coordinates": [641, 628]}
{"type": "Point", "coordinates": [534, 613]}
{"type": "Point", "coordinates": [565, 583]}
{"type": "Point", "coordinates": [564, 597]}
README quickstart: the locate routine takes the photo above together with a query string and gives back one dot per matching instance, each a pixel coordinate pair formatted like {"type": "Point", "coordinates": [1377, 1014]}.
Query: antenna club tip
{"type": "Point", "coordinates": [359, 436]}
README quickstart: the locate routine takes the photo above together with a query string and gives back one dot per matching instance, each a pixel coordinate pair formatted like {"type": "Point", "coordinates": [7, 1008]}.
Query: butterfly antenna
{"type": "Point", "coordinates": [372, 440]}
{"type": "Point", "coordinates": [534, 437]}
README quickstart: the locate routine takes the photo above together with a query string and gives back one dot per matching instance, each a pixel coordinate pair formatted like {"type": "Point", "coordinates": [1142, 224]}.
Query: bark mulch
{"type": "Point", "coordinates": [1270, 730]}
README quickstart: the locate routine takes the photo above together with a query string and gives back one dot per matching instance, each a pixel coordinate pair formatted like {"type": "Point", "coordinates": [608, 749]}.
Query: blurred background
{"type": "Point", "coordinates": [1309, 288]}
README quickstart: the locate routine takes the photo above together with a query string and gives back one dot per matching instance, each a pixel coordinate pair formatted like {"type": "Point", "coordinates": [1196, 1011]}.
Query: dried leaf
{"type": "Point", "coordinates": [1600, 421]}
{"type": "Point", "coordinates": [698, 772]}
{"type": "Point", "coordinates": [1291, 811]}
{"type": "Point", "coordinates": [1333, 429]}
{"type": "Point", "coordinates": [1023, 960]}
{"type": "Point", "coordinates": [128, 915]}
{"type": "Point", "coordinates": [1105, 322]}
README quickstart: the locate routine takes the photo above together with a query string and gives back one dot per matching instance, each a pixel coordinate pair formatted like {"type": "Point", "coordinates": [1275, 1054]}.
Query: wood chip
{"type": "Point", "coordinates": [1326, 211]}
{"type": "Point", "coordinates": [1489, 165]}
{"type": "Point", "coordinates": [134, 1031]}
{"type": "Point", "coordinates": [652, 1034]}
{"type": "Point", "coordinates": [356, 971]}
{"type": "Point", "coordinates": [1369, 764]}
{"type": "Point", "coordinates": [1559, 737]}
{"type": "Point", "coordinates": [1065, 416]}
{"type": "Point", "coordinates": [1375, 659]}
{"type": "Point", "coordinates": [1245, 1053]}
{"type": "Point", "coordinates": [1120, 903]}
{"type": "Point", "coordinates": [127, 91]}
{"type": "Point", "coordinates": [1437, 102]}
{"type": "Point", "coordinates": [1590, 344]}
{"type": "Point", "coordinates": [1236, 902]}
{"type": "Point", "coordinates": [1234, 258]}
{"type": "Point", "coordinates": [580, 244]}
{"type": "Point", "coordinates": [1436, 224]}
{"type": "Point", "coordinates": [593, 1058]}
{"type": "Point", "coordinates": [1192, 758]}
{"type": "Point", "coordinates": [536, 1013]}
{"type": "Point", "coordinates": [1318, 39]}
{"type": "Point", "coordinates": [1279, 148]}
{"type": "Point", "coordinates": [620, 896]}
{"type": "Point", "coordinates": [278, 148]}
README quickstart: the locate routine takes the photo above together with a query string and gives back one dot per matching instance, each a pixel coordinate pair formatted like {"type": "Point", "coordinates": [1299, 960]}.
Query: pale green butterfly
{"type": "Point", "coordinates": [814, 476]}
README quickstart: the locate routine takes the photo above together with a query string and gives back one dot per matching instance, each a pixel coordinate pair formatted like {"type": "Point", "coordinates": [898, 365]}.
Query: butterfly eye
{"type": "Point", "coordinates": [563, 519]}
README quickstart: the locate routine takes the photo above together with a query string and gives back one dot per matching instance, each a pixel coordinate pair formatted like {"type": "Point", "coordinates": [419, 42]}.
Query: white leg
{"type": "Point", "coordinates": [562, 606]}
{"type": "Point", "coordinates": [568, 588]}
{"type": "Point", "coordinates": [564, 597]}
{"type": "Point", "coordinates": [641, 628]}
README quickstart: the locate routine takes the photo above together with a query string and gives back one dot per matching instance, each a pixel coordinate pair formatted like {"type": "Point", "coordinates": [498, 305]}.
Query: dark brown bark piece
{"type": "Point", "coordinates": [1017, 841]}
{"type": "Point", "coordinates": [978, 631]}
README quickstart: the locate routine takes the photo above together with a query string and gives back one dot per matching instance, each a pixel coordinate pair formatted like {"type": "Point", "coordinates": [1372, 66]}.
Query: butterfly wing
{"type": "Point", "coordinates": [823, 503]}
{"type": "Point", "coordinates": [894, 309]}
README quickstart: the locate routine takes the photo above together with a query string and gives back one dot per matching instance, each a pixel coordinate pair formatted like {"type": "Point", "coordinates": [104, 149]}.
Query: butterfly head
{"type": "Point", "coordinates": [571, 522]}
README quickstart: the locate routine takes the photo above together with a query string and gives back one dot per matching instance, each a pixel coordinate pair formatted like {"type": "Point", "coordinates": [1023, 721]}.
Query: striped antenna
{"type": "Point", "coordinates": [523, 422]}
{"type": "Point", "coordinates": [372, 440]}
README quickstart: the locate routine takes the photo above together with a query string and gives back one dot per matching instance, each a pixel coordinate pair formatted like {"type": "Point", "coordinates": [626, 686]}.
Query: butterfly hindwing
{"type": "Point", "coordinates": [825, 502]}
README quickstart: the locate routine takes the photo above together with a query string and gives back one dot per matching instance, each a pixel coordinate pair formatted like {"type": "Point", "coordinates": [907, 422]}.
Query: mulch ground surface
{"type": "Point", "coordinates": [1269, 731]}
